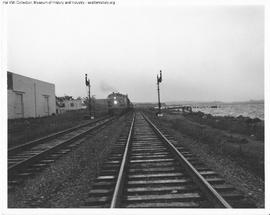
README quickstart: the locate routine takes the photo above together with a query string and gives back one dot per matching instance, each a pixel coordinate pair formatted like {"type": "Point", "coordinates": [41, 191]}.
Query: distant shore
{"type": "Point", "coordinates": [213, 102]}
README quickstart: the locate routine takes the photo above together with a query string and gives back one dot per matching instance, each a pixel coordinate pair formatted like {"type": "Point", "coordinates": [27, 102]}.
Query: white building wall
{"type": "Point", "coordinates": [33, 93]}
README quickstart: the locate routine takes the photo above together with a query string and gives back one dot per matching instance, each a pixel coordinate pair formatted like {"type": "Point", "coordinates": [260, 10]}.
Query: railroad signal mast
{"type": "Point", "coordinates": [87, 83]}
{"type": "Point", "coordinates": [159, 80]}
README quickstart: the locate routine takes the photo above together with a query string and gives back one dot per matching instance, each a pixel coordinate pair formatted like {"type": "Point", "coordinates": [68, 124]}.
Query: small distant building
{"type": "Point", "coordinates": [75, 104]}
{"type": "Point", "coordinates": [28, 97]}
{"type": "Point", "coordinates": [60, 107]}
{"type": "Point", "coordinates": [101, 102]}
{"type": "Point", "coordinates": [63, 104]}
{"type": "Point", "coordinates": [100, 106]}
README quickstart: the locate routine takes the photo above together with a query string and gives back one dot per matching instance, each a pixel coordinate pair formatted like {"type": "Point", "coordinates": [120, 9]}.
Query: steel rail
{"type": "Point", "coordinates": [24, 146]}
{"type": "Point", "coordinates": [213, 196]}
{"type": "Point", "coordinates": [18, 166]}
{"type": "Point", "coordinates": [122, 172]}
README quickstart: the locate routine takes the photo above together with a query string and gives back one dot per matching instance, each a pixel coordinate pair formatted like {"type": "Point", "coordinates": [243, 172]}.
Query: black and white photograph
{"type": "Point", "coordinates": [126, 107]}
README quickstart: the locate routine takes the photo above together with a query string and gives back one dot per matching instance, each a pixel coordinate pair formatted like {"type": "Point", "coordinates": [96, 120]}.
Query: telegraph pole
{"type": "Point", "coordinates": [87, 83]}
{"type": "Point", "coordinates": [159, 80]}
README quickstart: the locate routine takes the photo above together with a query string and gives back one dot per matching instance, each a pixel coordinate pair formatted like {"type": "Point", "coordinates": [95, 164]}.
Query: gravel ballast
{"type": "Point", "coordinates": [66, 182]}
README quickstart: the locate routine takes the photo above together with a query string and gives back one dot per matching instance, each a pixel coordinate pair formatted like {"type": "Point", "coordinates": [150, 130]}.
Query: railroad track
{"type": "Point", "coordinates": [146, 169]}
{"type": "Point", "coordinates": [27, 159]}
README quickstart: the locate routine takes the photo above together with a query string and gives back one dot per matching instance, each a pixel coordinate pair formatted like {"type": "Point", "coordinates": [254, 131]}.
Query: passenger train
{"type": "Point", "coordinates": [118, 103]}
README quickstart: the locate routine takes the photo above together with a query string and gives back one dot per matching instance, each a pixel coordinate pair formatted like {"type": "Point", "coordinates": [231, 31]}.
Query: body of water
{"type": "Point", "coordinates": [247, 110]}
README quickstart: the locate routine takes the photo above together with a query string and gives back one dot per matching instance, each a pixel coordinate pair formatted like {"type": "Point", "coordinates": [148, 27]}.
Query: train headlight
{"type": "Point", "coordinates": [115, 102]}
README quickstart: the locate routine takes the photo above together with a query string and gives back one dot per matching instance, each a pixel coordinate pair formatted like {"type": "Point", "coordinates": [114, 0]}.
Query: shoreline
{"type": "Point", "coordinates": [251, 110]}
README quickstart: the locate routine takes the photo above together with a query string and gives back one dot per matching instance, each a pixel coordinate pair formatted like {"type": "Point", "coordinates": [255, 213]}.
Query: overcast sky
{"type": "Point", "coordinates": [206, 53]}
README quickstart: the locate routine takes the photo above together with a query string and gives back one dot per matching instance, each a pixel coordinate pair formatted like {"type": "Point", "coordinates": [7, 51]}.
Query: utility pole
{"type": "Point", "coordinates": [87, 83]}
{"type": "Point", "coordinates": [159, 80]}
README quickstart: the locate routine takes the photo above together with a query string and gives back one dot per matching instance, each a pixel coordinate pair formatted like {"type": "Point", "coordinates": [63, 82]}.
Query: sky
{"type": "Point", "coordinates": [206, 52]}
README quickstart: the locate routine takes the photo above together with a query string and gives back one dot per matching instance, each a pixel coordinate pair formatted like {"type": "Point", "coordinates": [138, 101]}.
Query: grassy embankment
{"type": "Point", "coordinates": [242, 125]}
{"type": "Point", "coordinates": [234, 141]}
{"type": "Point", "coordinates": [24, 130]}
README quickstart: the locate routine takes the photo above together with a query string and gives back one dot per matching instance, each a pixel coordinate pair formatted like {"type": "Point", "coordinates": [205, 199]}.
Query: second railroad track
{"type": "Point", "coordinates": [29, 158]}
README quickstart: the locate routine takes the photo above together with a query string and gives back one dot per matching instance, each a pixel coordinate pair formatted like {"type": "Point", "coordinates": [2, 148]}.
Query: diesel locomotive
{"type": "Point", "coordinates": [118, 103]}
